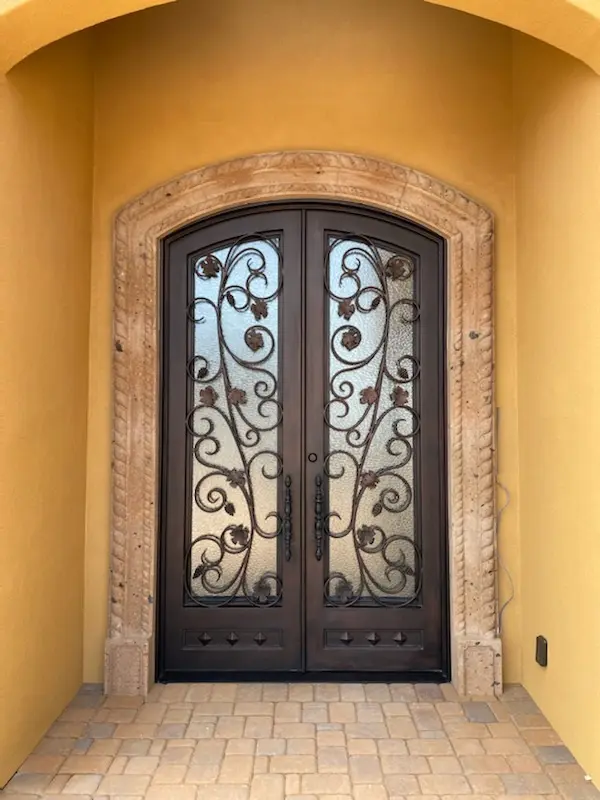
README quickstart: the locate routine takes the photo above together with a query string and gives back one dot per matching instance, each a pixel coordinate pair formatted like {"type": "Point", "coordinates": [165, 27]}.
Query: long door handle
{"type": "Point", "coordinates": [287, 518]}
{"type": "Point", "coordinates": [319, 518]}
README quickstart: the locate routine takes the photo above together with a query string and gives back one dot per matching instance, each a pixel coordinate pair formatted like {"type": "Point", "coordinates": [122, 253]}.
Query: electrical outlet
{"type": "Point", "coordinates": [541, 651]}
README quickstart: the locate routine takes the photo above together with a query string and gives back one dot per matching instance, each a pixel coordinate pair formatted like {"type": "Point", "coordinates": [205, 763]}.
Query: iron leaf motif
{"type": "Point", "coordinates": [259, 309]}
{"type": "Point", "coordinates": [229, 509]}
{"type": "Point", "coordinates": [402, 371]}
{"type": "Point", "coordinates": [236, 478]}
{"type": "Point", "coordinates": [346, 308]}
{"type": "Point", "coordinates": [369, 480]}
{"type": "Point", "coordinates": [208, 396]}
{"type": "Point", "coordinates": [237, 397]}
{"type": "Point", "coordinates": [240, 535]}
{"type": "Point", "coordinates": [377, 509]}
{"type": "Point", "coordinates": [398, 268]}
{"type": "Point", "coordinates": [262, 591]}
{"type": "Point", "coordinates": [202, 372]}
{"type": "Point", "coordinates": [351, 338]}
{"type": "Point", "coordinates": [210, 266]}
{"type": "Point", "coordinates": [344, 591]}
{"type": "Point", "coordinates": [366, 535]}
{"type": "Point", "coordinates": [369, 396]}
{"type": "Point", "coordinates": [399, 396]}
{"type": "Point", "coordinates": [254, 339]}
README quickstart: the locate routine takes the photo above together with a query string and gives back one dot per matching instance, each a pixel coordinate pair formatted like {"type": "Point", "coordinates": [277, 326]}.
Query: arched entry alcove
{"type": "Point", "coordinates": [467, 229]}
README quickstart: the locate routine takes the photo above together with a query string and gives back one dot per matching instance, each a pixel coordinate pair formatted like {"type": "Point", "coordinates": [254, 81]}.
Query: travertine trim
{"type": "Point", "coordinates": [468, 230]}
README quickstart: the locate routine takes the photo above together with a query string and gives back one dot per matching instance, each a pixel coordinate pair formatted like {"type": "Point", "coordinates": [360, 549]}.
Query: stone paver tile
{"type": "Point", "coordinates": [369, 712]}
{"type": "Point", "coordinates": [178, 792]}
{"type": "Point", "coordinates": [248, 693]}
{"type": "Point", "coordinates": [333, 759]}
{"type": "Point", "coordinates": [294, 730]}
{"type": "Point", "coordinates": [236, 769]}
{"type": "Point", "coordinates": [254, 709]}
{"type": "Point", "coordinates": [136, 730]}
{"type": "Point", "coordinates": [540, 737]}
{"type": "Point", "coordinates": [331, 739]}
{"type": "Point", "coordinates": [314, 797]}
{"type": "Point", "coordinates": [81, 746]}
{"type": "Point", "coordinates": [27, 783]}
{"type": "Point", "coordinates": [200, 730]}
{"type": "Point", "coordinates": [367, 730]}
{"type": "Point", "coordinates": [82, 784]}
{"type": "Point", "coordinates": [117, 766]}
{"type": "Point", "coordinates": [401, 728]}
{"type": "Point", "coordinates": [54, 747]}
{"type": "Point", "coordinates": [175, 744]}
{"type": "Point", "coordinates": [378, 693]}
{"type": "Point", "coordinates": [209, 752]}
{"type": "Point", "coordinates": [329, 726]}
{"type": "Point", "coordinates": [116, 715]}
{"type": "Point", "coordinates": [401, 785]}
{"type": "Point", "coordinates": [527, 784]}
{"type": "Point", "coordinates": [315, 712]}
{"type": "Point", "coordinates": [514, 691]}
{"type": "Point", "coordinates": [425, 716]}
{"type": "Point", "coordinates": [505, 747]}
{"type": "Point", "coordinates": [267, 787]}
{"type": "Point", "coordinates": [179, 755]}
{"type": "Point", "coordinates": [199, 693]}
{"type": "Point", "coordinates": [67, 730]}
{"type": "Point", "coordinates": [259, 727]}
{"type": "Point", "coordinates": [500, 710]}
{"type": "Point", "coordinates": [230, 792]}
{"type": "Point", "coordinates": [270, 747]}
{"type": "Point", "coordinates": [204, 773]}
{"type": "Point", "coordinates": [106, 747]}
{"type": "Point", "coordinates": [570, 780]}
{"type": "Point", "coordinates": [141, 765]}
{"type": "Point", "coordinates": [480, 764]}
{"type": "Point", "coordinates": [101, 730]}
{"type": "Point", "coordinates": [275, 692]}
{"type": "Point", "coordinates": [429, 692]}
{"type": "Point", "coordinates": [123, 785]}
{"type": "Point", "coordinates": [123, 701]}
{"type": "Point", "coordinates": [486, 784]}
{"type": "Point", "coordinates": [524, 764]}
{"type": "Point", "coordinates": [524, 721]}
{"type": "Point", "coordinates": [325, 784]}
{"type": "Point", "coordinates": [301, 747]}
{"type": "Point", "coordinates": [344, 712]}
{"type": "Point", "coordinates": [213, 710]}
{"type": "Point", "coordinates": [327, 692]}
{"type": "Point", "coordinates": [230, 728]}
{"type": "Point", "coordinates": [174, 730]}
{"type": "Point", "coordinates": [365, 769]}
{"type": "Point", "coordinates": [430, 747]}
{"type": "Point", "coordinates": [177, 715]}
{"type": "Point", "coordinates": [370, 791]}
{"type": "Point", "coordinates": [403, 693]}
{"type": "Point", "coordinates": [294, 765]}
{"type": "Point", "coordinates": [261, 765]}
{"type": "Point", "coordinates": [554, 754]}
{"type": "Point", "coordinates": [524, 705]}
{"type": "Point", "coordinates": [57, 784]}
{"type": "Point", "coordinates": [504, 730]}
{"type": "Point", "coordinates": [169, 773]}
{"type": "Point", "coordinates": [288, 711]}
{"type": "Point", "coordinates": [404, 765]}
{"type": "Point", "coordinates": [44, 765]}
{"type": "Point", "coordinates": [448, 710]}
{"type": "Point", "coordinates": [177, 692]}
{"type": "Point", "coordinates": [75, 714]}
{"type": "Point", "coordinates": [93, 765]}
{"type": "Point", "coordinates": [467, 730]}
{"type": "Point", "coordinates": [241, 747]}
{"type": "Point", "coordinates": [479, 712]}
{"type": "Point", "coordinates": [395, 709]}
{"type": "Point", "coordinates": [444, 765]}
{"type": "Point", "coordinates": [156, 747]}
{"type": "Point", "coordinates": [444, 784]}
{"type": "Point", "coordinates": [467, 747]}
{"type": "Point", "coordinates": [152, 712]}
{"type": "Point", "coordinates": [292, 784]}
{"type": "Point", "coordinates": [302, 692]}
{"type": "Point", "coordinates": [352, 692]}
{"type": "Point", "coordinates": [223, 693]}
{"type": "Point", "coordinates": [392, 747]}
{"type": "Point", "coordinates": [363, 747]}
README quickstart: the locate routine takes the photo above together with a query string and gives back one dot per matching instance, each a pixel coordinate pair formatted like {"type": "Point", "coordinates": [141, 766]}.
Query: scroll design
{"type": "Point", "coordinates": [287, 518]}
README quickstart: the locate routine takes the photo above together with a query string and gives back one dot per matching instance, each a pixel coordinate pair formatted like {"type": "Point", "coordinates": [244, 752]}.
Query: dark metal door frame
{"type": "Point", "coordinates": [301, 578]}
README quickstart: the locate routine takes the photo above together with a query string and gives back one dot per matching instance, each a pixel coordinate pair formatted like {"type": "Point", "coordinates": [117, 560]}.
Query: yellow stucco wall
{"type": "Point", "coordinates": [45, 203]}
{"type": "Point", "coordinates": [558, 200]}
{"type": "Point", "coordinates": [193, 83]}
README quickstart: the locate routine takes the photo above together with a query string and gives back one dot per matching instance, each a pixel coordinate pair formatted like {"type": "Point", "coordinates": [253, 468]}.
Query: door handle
{"type": "Point", "coordinates": [319, 518]}
{"type": "Point", "coordinates": [287, 518]}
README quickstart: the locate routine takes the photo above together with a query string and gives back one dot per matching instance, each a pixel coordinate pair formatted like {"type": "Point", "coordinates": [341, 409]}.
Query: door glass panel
{"type": "Point", "coordinates": [371, 424]}
{"type": "Point", "coordinates": [234, 422]}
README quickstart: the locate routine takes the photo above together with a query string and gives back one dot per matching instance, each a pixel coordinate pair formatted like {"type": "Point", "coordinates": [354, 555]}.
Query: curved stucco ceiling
{"type": "Point", "coordinates": [570, 25]}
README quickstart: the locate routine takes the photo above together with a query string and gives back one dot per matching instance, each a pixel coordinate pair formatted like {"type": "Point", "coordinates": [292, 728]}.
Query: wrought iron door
{"type": "Point", "coordinates": [303, 446]}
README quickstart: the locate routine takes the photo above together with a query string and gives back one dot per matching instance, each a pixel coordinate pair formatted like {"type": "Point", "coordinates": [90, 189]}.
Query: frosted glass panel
{"type": "Point", "coordinates": [371, 423]}
{"type": "Point", "coordinates": [234, 421]}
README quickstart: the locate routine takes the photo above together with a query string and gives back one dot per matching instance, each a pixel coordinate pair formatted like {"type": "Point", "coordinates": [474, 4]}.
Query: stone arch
{"type": "Point", "coordinates": [468, 230]}
{"type": "Point", "coordinates": [570, 25]}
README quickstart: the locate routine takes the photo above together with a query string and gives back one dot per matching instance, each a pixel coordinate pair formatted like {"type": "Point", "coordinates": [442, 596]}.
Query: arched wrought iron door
{"type": "Point", "coordinates": [303, 498]}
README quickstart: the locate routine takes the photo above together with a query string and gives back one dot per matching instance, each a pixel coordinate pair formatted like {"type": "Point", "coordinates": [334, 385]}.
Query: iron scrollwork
{"type": "Point", "coordinates": [233, 421]}
{"type": "Point", "coordinates": [318, 518]}
{"type": "Point", "coordinates": [287, 524]}
{"type": "Point", "coordinates": [372, 422]}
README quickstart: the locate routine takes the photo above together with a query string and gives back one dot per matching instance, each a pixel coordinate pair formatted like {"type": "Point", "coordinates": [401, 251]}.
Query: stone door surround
{"type": "Point", "coordinates": [468, 229]}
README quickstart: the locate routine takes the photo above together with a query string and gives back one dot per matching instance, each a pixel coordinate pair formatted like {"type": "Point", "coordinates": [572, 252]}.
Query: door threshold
{"type": "Point", "coordinates": [174, 676]}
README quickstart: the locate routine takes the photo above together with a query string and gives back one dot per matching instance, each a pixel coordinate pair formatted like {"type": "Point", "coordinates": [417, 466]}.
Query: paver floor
{"type": "Point", "coordinates": [301, 742]}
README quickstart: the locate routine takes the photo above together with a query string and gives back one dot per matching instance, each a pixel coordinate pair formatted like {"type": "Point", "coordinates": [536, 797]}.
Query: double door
{"type": "Point", "coordinates": [303, 446]}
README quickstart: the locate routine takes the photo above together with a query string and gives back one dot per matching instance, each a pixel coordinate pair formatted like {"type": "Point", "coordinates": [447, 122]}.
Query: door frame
{"type": "Point", "coordinates": [468, 229]}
